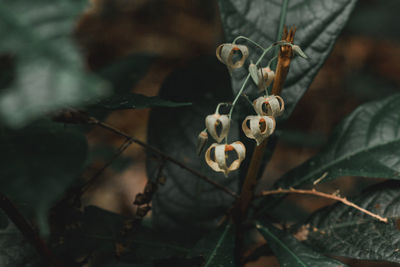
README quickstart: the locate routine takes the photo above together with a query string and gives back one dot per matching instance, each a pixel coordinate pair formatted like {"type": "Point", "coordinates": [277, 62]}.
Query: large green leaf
{"type": "Point", "coordinates": [217, 247]}
{"type": "Point", "coordinates": [342, 230]}
{"type": "Point", "coordinates": [365, 144]}
{"type": "Point", "coordinates": [291, 252]}
{"type": "Point", "coordinates": [49, 70]}
{"type": "Point", "coordinates": [136, 101]}
{"type": "Point", "coordinates": [99, 231]}
{"type": "Point", "coordinates": [185, 202]}
{"type": "Point", "coordinates": [38, 163]}
{"type": "Point", "coordinates": [318, 25]}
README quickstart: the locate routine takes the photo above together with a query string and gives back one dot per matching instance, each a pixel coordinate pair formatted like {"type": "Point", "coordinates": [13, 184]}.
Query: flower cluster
{"type": "Point", "coordinates": [257, 127]}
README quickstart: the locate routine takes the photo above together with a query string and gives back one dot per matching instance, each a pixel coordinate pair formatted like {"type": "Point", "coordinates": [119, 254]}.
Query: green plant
{"type": "Point", "coordinates": [200, 217]}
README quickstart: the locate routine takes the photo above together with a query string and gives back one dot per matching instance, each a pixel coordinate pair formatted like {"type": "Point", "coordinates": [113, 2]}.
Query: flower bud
{"type": "Point", "coordinates": [201, 141]}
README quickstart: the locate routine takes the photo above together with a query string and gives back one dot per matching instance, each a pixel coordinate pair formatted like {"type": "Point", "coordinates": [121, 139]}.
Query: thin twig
{"type": "Point", "coordinates": [163, 155]}
{"type": "Point", "coordinates": [95, 177]}
{"type": "Point", "coordinates": [27, 231]}
{"type": "Point", "coordinates": [324, 195]}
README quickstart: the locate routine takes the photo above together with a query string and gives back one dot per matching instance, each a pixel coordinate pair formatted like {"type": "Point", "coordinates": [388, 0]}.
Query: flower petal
{"type": "Point", "coordinates": [212, 122]}
{"type": "Point", "coordinates": [225, 54]}
{"type": "Point", "coordinates": [275, 105]}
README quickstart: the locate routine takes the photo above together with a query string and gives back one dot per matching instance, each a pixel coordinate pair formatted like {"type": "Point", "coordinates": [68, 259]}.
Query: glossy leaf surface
{"type": "Point", "coordinates": [318, 25]}
{"type": "Point", "coordinates": [292, 253]}
{"type": "Point", "coordinates": [342, 230]}
{"type": "Point", "coordinates": [217, 247]}
{"type": "Point", "coordinates": [186, 202]}
{"type": "Point", "coordinates": [366, 143]}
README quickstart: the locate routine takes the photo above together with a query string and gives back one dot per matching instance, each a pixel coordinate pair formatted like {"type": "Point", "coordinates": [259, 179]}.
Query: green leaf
{"type": "Point", "coordinates": [15, 250]}
{"type": "Point", "coordinates": [318, 25]}
{"type": "Point", "coordinates": [136, 101]}
{"type": "Point", "coordinates": [291, 252]}
{"type": "Point", "coordinates": [186, 203]}
{"type": "Point", "coordinates": [365, 144]}
{"type": "Point", "coordinates": [49, 71]}
{"type": "Point", "coordinates": [217, 248]}
{"type": "Point", "coordinates": [38, 163]}
{"type": "Point", "coordinates": [101, 231]}
{"type": "Point", "coordinates": [341, 230]}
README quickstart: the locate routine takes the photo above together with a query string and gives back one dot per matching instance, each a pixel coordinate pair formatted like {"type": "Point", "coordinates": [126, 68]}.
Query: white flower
{"type": "Point", "coordinates": [218, 164]}
{"type": "Point", "coordinates": [212, 121]}
{"type": "Point", "coordinates": [260, 127]}
{"type": "Point", "coordinates": [262, 77]}
{"type": "Point", "coordinates": [274, 105]}
{"type": "Point", "coordinates": [225, 54]}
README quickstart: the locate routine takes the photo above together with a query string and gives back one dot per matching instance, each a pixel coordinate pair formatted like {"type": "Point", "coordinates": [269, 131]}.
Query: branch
{"type": "Point", "coordinates": [27, 231]}
{"type": "Point", "coordinates": [162, 155]}
{"type": "Point", "coordinates": [324, 195]}
{"type": "Point", "coordinates": [94, 178]}
{"type": "Point", "coordinates": [250, 181]}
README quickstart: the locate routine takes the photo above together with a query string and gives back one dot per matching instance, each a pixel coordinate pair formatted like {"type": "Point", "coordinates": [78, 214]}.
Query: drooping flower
{"type": "Point", "coordinates": [225, 53]}
{"type": "Point", "coordinates": [274, 105]}
{"type": "Point", "coordinates": [262, 77]}
{"type": "Point", "coordinates": [212, 122]}
{"type": "Point", "coordinates": [218, 162]}
{"type": "Point", "coordinates": [260, 127]}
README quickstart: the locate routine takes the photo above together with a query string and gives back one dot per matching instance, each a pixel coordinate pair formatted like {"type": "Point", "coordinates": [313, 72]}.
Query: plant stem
{"type": "Point", "coordinates": [324, 195]}
{"type": "Point", "coordinates": [27, 231]}
{"type": "Point", "coordinates": [163, 155]}
{"type": "Point", "coordinates": [251, 41]}
{"type": "Point", "coordinates": [247, 193]}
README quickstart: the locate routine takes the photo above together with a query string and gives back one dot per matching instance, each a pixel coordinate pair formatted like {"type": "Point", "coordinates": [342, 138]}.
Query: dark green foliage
{"type": "Point", "coordinates": [292, 253]}
{"type": "Point", "coordinates": [41, 72]}
{"type": "Point", "coordinates": [14, 250]}
{"type": "Point", "coordinates": [217, 247]}
{"type": "Point", "coordinates": [38, 163]}
{"type": "Point", "coordinates": [318, 22]}
{"type": "Point", "coordinates": [366, 144]}
{"type": "Point", "coordinates": [98, 230]}
{"type": "Point", "coordinates": [49, 72]}
{"type": "Point", "coordinates": [185, 202]}
{"type": "Point", "coordinates": [343, 231]}
{"type": "Point", "coordinates": [136, 101]}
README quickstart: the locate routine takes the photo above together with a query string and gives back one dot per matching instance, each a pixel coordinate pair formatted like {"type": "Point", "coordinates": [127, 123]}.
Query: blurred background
{"type": "Point", "coordinates": [364, 65]}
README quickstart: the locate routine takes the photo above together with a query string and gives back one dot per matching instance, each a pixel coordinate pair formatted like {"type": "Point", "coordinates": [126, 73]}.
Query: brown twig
{"type": "Point", "coordinates": [324, 195]}
{"type": "Point", "coordinates": [163, 156]}
{"type": "Point", "coordinates": [28, 231]}
{"type": "Point", "coordinates": [250, 181]}
{"type": "Point", "coordinates": [95, 177]}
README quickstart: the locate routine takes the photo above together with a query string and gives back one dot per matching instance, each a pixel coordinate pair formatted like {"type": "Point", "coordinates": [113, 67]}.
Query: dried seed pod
{"type": "Point", "coordinates": [225, 54]}
{"type": "Point", "coordinates": [142, 211]}
{"type": "Point", "coordinates": [261, 77]}
{"type": "Point", "coordinates": [162, 180]}
{"type": "Point", "coordinates": [201, 141]}
{"type": "Point", "coordinates": [141, 199]}
{"type": "Point", "coordinates": [150, 188]}
{"type": "Point", "coordinates": [212, 122]}
{"type": "Point", "coordinates": [260, 127]}
{"type": "Point", "coordinates": [218, 164]}
{"type": "Point", "coordinates": [274, 105]}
